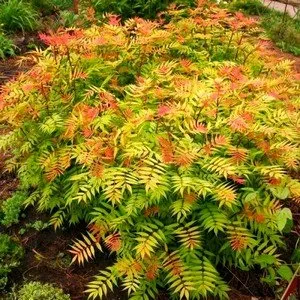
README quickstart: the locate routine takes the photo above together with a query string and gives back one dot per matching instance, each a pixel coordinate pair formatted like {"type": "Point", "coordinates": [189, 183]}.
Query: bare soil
{"type": "Point", "coordinates": [47, 260]}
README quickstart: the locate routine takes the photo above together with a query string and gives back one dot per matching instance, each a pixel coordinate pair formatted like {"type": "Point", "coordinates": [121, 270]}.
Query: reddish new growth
{"type": "Point", "coordinates": [238, 242]}
{"type": "Point", "coordinates": [238, 124]}
{"type": "Point", "coordinates": [201, 128]}
{"type": "Point", "coordinates": [113, 242]}
{"type": "Point", "coordinates": [151, 211]}
{"type": "Point", "coordinates": [190, 197]}
{"type": "Point", "coordinates": [61, 38]}
{"type": "Point", "coordinates": [152, 271]}
{"type": "Point", "coordinates": [166, 147]}
{"type": "Point", "coordinates": [114, 20]}
{"type": "Point", "coordinates": [163, 110]}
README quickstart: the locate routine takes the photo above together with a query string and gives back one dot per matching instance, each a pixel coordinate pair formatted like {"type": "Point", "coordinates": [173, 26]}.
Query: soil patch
{"type": "Point", "coordinates": [11, 68]}
{"type": "Point", "coordinates": [46, 259]}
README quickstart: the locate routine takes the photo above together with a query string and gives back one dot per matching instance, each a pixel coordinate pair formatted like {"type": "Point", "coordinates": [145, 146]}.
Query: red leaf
{"type": "Point", "coordinates": [163, 110]}
{"type": "Point", "coordinates": [201, 128]}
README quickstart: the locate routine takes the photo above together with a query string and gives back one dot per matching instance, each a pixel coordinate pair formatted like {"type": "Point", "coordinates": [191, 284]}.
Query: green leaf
{"type": "Point", "coordinates": [251, 196]}
{"type": "Point", "coordinates": [281, 192]}
{"type": "Point", "coordinates": [282, 217]}
{"type": "Point", "coordinates": [285, 272]}
{"type": "Point", "coordinates": [265, 259]}
{"type": "Point", "coordinates": [296, 256]}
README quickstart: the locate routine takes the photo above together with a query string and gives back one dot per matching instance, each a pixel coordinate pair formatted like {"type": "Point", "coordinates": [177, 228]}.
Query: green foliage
{"type": "Point", "coordinates": [7, 47]}
{"type": "Point", "coordinates": [285, 272]}
{"type": "Point", "coordinates": [275, 276]}
{"type": "Point", "coordinates": [46, 7]}
{"type": "Point", "coordinates": [62, 4]}
{"type": "Point", "coordinates": [251, 7]}
{"type": "Point", "coordinates": [175, 141]}
{"type": "Point", "coordinates": [18, 15]}
{"type": "Point", "coordinates": [284, 31]}
{"type": "Point", "coordinates": [10, 255]}
{"type": "Point", "coordinates": [68, 19]}
{"type": "Point", "coordinates": [296, 254]}
{"type": "Point", "coordinates": [36, 225]}
{"type": "Point", "coordinates": [130, 8]}
{"type": "Point", "coordinates": [41, 291]}
{"type": "Point", "coordinates": [11, 209]}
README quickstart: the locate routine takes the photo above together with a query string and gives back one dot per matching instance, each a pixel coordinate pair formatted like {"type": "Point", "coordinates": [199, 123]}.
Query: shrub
{"type": "Point", "coordinates": [173, 141]}
{"type": "Point", "coordinates": [11, 209]}
{"type": "Point", "coordinates": [62, 4]}
{"type": "Point", "coordinates": [18, 15]}
{"type": "Point", "coordinates": [7, 47]}
{"type": "Point", "coordinates": [39, 291]}
{"type": "Point", "coordinates": [129, 8]}
{"type": "Point", "coordinates": [68, 19]}
{"type": "Point", "coordinates": [46, 7]}
{"type": "Point", "coordinates": [10, 255]}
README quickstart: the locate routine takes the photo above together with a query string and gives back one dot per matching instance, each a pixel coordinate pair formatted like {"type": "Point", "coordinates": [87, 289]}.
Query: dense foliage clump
{"type": "Point", "coordinates": [174, 140]}
{"type": "Point", "coordinates": [130, 8]}
{"type": "Point", "coordinates": [39, 291]}
{"type": "Point", "coordinates": [10, 255]}
{"type": "Point", "coordinates": [18, 15]}
{"type": "Point", "coordinates": [7, 47]}
{"type": "Point", "coordinates": [10, 209]}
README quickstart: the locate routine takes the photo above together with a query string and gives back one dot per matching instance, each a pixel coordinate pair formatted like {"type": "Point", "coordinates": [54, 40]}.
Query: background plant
{"type": "Point", "coordinates": [250, 7]}
{"type": "Point", "coordinates": [10, 255]}
{"type": "Point", "coordinates": [130, 8]}
{"type": "Point", "coordinates": [41, 291]}
{"type": "Point", "coordinates": [7, 47]}
{"type": "Point", "coordinates": [11, 209]}
{"type": "Point", "coordinates": [174, 141]}
{"type": "Point", "coordinates": [63, 4]}
{"type": "Point", "coordinates": [45, 7]}
{"type": "Point", "coordinates": [16, 15]}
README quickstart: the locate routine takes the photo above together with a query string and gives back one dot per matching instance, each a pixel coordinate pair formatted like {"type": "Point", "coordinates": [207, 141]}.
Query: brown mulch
{"type": "Point", "coordinates": [10, 68]}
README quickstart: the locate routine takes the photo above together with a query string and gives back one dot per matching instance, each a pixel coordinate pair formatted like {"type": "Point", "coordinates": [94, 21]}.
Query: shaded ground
{"type": "Point", "coordinates": [46, 259]}
{"type": "Point", "coordinates": [10, 67]}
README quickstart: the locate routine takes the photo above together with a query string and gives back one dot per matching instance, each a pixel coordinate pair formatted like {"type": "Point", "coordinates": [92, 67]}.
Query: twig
{"type": "Point", "coordinates": [241, 282]}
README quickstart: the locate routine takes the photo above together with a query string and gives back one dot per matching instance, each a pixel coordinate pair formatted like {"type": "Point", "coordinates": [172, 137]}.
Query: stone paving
{"type": "Point", "coordinates": [290, 9]}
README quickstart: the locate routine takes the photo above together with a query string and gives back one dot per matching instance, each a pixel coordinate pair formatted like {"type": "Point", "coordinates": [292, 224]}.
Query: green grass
{"type": "Point", "coordinates": [281, 28]}
{"type": "Point", "coordinates": [18, 15]}
{"type": "Point", "coordinates": [284, 32]}
{"type": "Point", "coordinates": [7, 48]}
